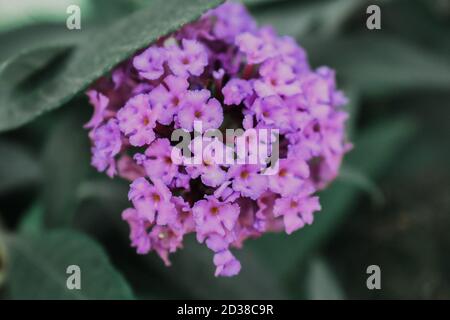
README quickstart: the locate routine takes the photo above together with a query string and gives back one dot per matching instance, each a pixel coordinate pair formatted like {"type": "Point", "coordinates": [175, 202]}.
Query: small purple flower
{"type": "Point", "coordinates": [214, 217]}
{"type": "Point", "coordinates": [290, 178]}
{"type": "Point", "coordinates": [296, 211]}
{"type": "Point", "coordinates": [231, 20]}
{"type": "Point", "coordinates": [185, 219]}
{"type": "Point", "coordinates": [138, 230]}
{"type": "Point", "coordinates": [150, 63]}
{"type": "Point", "coordinates": [137, 120]}
{"type": "Point", "coordinates": [189, 60]}
{"type": "Point", "coordinates": [226, 264]}
{"type": "Point", "coordinates": [198, 106]}
{"type": "Point", "coordinates": [165, 240]}
{"type": "Point", "coordinates": [100, 103]}
{"type": "Point", "coordinates": [255, 48]}
{"type": "Point", "coordinates": [272, 112]}
{"type": "Point", "coordinates": [158, 162]}
{"type": "Point", "coordinates": [213, 155]}
{"type": "Point", "coordinates": [169, 96]}
{"type": "Point", "coordinates": [152, 201]}
{"type": "Point", "coordinates": [235, 91]}
{"type": "Point", "coordinates": [248, 181]}
{"type": "Point", "coordinates": [107, 143]}
{"type": "Point", "coordinates": [129, 169]}
{"type": "Point", "coordinates": [278, 78]}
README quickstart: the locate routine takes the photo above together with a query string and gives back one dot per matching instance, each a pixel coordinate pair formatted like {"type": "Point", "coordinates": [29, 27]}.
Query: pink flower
{"type": "Point", "coordinates": [138, 230]}
{"type": "Point", "coordinates": [256, 49]}
{"type": "Point", "coordinates": [166, 240]}
{"type": "Point", "coordinates": [278, 78]}
{"type": "Point", "coordinates": [189, 60]}
{"type": "Point", "coordinates": [248, 181]}
{"type": "Point", "coordinates": [214, 217]}
{"type": "Point", "coordinates": [169, 96]}
{"type": "Point", "coordinates": [235, 91]}
{"type": "Point", "coordinates": [291, 177]}
{"type": "Point", "coordinates": [226, 264]}
{"type": "Point", "coordinates": [158, 162]}
{"type": "Point", "coordinates": [198, 106]}
{"type": "Point", "coordinates": [231, 20]}
{"type": "Point", "coordinates": [152, 201]}
{"type": "Point", "coordinates": [213, 156]}
{"type": "Point", "coordinates": [106, 145]}
{"type": "Point", "coordinates": [150, 63]}
{"type": "Point", "coordinates": [272, 112]}
{"type": "Point", "coordinates": [137, 120]}
{"type": "Point", "coordinates": [296, 211]}
{"type": "Point", "coordinates": [100, 103]}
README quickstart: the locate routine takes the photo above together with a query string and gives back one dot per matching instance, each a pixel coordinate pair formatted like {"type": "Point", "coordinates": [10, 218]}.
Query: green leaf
{"type": "Point", "coordinates": [379, 144]}
{"type": "Point", "coordinates": [381, 65]}
{"type": "Point", "coordinates": [38, 265]}
{"type": "Point", "coordinates": [353, 108]}
{"type": "Point", "coordinates": [93, 58]}
{"type": "Point", "coordinates": [363, 182]}
{"type": "Point", "coordinates": [33, 219]}
{"type": "Point", "coordinates": [261, 2]}
{"type": "Point", "coordinates": [18, 167]}
{"type": "Point", "coordinates": [300, 18]}
{"type": "Point", "coordinates": [65, 163]}
{"type": "Point", "coordinates": [322, 283]}
{"type": "Point", "coordinates": [193, 271]}
{"type": "Point", "coordinates": [2, 260]}
{"type": "Point", "coordinates": [37, 36]}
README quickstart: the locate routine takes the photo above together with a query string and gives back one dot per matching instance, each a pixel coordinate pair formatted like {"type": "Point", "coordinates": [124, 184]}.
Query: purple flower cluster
{"type": "Point", "coordinates": [226, 72]}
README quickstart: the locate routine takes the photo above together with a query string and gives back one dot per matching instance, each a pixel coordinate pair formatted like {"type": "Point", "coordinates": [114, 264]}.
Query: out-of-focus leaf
{"type": "Point", "coordinates": [359, 179]}
{"type": "Point", "coordinates": [65, 163]}
{"type": "Point", "coordinates": [322, 283]}
{"type": "Point", "coordinates": [18, 167]}
{"type": "Point", "coordinates": [29, 38]}
{"type": "Point", "coordinates": [39, 263]}
{"type": "Point", "coordinates": [381, 65]}
{"type": "Point", "coordinates": [352, 107]}
{"type": "Point", "coordinates": [376, 147]}
{"type": "Point", "coordinates": [107, 192]}
{"type": "Point", "coordinates": [193, 271]}
{"type": "Point", "coordinates": [2, 259]}
{"type": "Point", "coordinates": [312, 18]}
{"type": "Point", "coordinates": [97, 55]}
{"type": "Point", "coordinates": [101, 202]}
{"type": "Point", "coordinates": [261, 2]}
{"type": "Point", "coordinates": [33, 220]}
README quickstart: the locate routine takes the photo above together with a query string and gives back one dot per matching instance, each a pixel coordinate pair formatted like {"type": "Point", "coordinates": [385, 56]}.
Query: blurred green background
{"type": "Point", "coordinates": [389, 207]}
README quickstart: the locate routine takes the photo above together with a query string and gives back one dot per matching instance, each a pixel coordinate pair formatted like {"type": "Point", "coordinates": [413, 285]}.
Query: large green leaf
{"type": "Point", "coordinates": [25, 39]}
{"type": "Point", "coordinates": [65, 164]}
{"type": "Point", "coordinates": [38, 264]}
{"type": "Point", "coordinates": [97, 55]}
